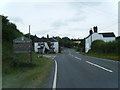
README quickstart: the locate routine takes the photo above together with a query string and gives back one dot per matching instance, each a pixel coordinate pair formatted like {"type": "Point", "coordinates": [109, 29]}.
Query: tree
{"type": "Point", "coordinates": [9, 30]}
{"type": "Point", "coordinates": [98, 46]}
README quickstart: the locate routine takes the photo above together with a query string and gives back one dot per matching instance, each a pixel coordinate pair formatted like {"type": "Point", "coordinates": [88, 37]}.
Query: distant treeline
{"type": "Point", "coordinates": [67, 42]}
{"type": "Point", "coordinates": [99, 46]}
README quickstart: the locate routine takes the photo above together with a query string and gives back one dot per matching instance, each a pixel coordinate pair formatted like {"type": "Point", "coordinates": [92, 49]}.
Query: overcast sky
{"type": "Point", "coordinates": [62, 18]}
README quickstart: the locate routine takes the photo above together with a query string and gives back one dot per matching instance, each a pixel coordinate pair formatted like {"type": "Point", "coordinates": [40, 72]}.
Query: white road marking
{"type": "Point", "coordinates": [99, 66]}
{"type": "Point", "coordinates": [75, 57]}
{"type": "Point", "coordinates": [78, 58]}
{"type": "Point", "coordinates": [55, 76]}
{"type": "Point", "coordinates": [71, 55]}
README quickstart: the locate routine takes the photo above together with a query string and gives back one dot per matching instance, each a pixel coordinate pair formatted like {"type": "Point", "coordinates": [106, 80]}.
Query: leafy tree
{"type": "Point", "coordinates": [9, 30]}
{"type": "Point", "coordinates": [65, 42]}
{"type": "Point", "coordinates": [9, 33]}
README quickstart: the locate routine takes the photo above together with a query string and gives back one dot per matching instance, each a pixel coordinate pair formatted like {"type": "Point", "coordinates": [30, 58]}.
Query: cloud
{"type": "Point", "coordinates": [62, 18]}
{"type": "Point", "coordinates": [77, 18]}
{"type": "Point", "coordinates": [16, 19]}
{"type": "Point", "coordinates": [58, 24]}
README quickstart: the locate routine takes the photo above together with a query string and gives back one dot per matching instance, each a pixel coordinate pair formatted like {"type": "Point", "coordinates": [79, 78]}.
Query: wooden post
{"type": "Point", "coordinates": [29, 31]}
{"type": "Point", "coordinates": [31, 54]}
{"type": "Point", "coordinates": [30, 47]}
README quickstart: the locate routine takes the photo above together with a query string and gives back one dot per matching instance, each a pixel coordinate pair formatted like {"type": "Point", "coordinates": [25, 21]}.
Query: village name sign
{"type": "Point", "coordinates": [22, 45]}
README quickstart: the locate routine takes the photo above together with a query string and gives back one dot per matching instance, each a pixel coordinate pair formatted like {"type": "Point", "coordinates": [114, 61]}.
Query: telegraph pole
{"type": "Point", "coordinates": [29, 31]}
{"type": "Point", "coordinates": [30, 47]}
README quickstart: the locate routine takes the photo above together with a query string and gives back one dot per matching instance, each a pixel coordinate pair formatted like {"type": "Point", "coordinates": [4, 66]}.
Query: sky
{"type": "Point", "coordinates": [64, 18]}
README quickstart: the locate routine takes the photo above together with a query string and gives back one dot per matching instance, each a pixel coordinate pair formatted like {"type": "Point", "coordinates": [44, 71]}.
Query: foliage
{"type": "Point", "coordinates": [16, 69]}
{"type": "Point", "coordinates": [9, 33]}
{"type": "Point", "coordinates": [66, 42]}
{"type": "Point", "coordinates": [33, 74]}
{"type": "Point", "coordinates": [31, 36]}
{"type": "Point", "coordinates": [9, 30]}
{"type": "Point", "coordinates": [99, 46]}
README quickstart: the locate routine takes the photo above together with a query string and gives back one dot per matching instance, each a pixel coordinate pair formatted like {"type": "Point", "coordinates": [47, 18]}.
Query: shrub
{"type": "Point", "coordinates": [99, 46]}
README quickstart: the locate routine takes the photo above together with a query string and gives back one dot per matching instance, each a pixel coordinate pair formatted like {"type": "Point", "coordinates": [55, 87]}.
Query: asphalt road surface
{"type": "Point", "coordinates": [78, 71]}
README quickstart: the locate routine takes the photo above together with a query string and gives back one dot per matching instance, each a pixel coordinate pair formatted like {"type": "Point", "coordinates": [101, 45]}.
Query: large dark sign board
{"type": "Point", "coordinates": [22, 45]}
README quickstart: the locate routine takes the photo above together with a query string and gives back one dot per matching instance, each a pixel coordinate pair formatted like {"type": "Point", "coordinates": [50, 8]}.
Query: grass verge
{"type": "Point", "coordinates": [18, 73]}
{"type": "Point", "coordinates": [105, 56]}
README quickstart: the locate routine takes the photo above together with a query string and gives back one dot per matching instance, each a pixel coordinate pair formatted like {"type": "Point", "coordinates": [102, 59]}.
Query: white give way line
{"type": "Point", "coordinates": [99, 66]}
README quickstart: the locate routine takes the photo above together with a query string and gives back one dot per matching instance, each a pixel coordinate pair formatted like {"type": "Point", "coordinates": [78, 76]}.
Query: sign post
{"type": "Point", "coordinates": [22, 45]}
{"type": "Point", "coordinates": [31, 48]}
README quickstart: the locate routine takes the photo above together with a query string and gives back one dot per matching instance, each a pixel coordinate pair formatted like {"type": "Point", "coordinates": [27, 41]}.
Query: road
{"type": "Point", "coordinates": [78, 71]}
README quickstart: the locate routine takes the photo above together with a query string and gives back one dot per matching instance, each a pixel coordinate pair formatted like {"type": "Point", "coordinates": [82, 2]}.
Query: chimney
{"type": "Point", "coordinates": [95, 28]}
{"type": "Point", "coordinates": [47, 36]}
{"type": "Point", "coordinates": [91, 32]}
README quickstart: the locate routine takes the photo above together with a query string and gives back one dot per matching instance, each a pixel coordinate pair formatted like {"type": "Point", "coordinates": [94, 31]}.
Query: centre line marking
{"type": "Point", "coordinates": [55, 76]}
{"type": "Point", "coordinates": [99, 66]}
{"type": "Point", "coordinates": [78, 58]}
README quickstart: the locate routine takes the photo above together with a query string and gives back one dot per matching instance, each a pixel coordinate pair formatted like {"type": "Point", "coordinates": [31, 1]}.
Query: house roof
{"type": "Point", "coordinates": [87, 36]}
{"type": "Point", "coordinates": [45, 40]}
{"type": "Point", "coordinates": [108, 34]}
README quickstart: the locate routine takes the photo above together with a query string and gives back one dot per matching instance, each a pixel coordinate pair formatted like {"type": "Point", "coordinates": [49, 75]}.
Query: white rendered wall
{"type": "Point", "coordinates": [96, 36]}
{"type": "Point", "coordinates": [87, 44]}
{"type": "Point", "coordinates": [108, 39]}
{"type": "Point", "coordinates": [90, 39]}
{"type": "Point", "coordinates": [36, 47]}
{"type": "Point", "coordinates": [56, 46]}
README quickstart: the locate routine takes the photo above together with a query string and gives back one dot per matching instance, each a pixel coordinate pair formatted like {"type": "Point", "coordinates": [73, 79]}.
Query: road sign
{"type": "Point", "coordinates": [22, 45]}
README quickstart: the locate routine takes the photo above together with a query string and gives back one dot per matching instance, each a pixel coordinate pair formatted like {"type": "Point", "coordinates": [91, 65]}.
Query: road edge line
{"type": "Point", "coordinates": [55, 76]}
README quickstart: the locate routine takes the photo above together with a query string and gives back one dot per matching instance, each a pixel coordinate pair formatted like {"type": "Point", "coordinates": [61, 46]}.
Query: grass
{"type": "Point", "coordinates": [105, 56]}
{"type": "Point", "coordinates": [101, 55]}
{"type": "Point", "coordinates": [22, 74]}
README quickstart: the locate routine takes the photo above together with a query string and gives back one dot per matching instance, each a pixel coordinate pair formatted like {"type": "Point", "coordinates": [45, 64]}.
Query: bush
{"type": "Point", "coordinates": [99, 46]}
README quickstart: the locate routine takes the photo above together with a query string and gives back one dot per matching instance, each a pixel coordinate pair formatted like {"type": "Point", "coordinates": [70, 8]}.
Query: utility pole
{"type": "Point", "coordinates": [91, 36]}
{"type": "Point", "coordinates": [29, 31]}
{"type": "Point", "coordinates": [30, 47]}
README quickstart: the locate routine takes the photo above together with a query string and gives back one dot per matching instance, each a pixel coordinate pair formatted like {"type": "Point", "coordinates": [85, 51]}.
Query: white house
{"type": "Point", "coordinates": [94, 35]}
{"type": "Point", "coordinates": [46, 45]}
